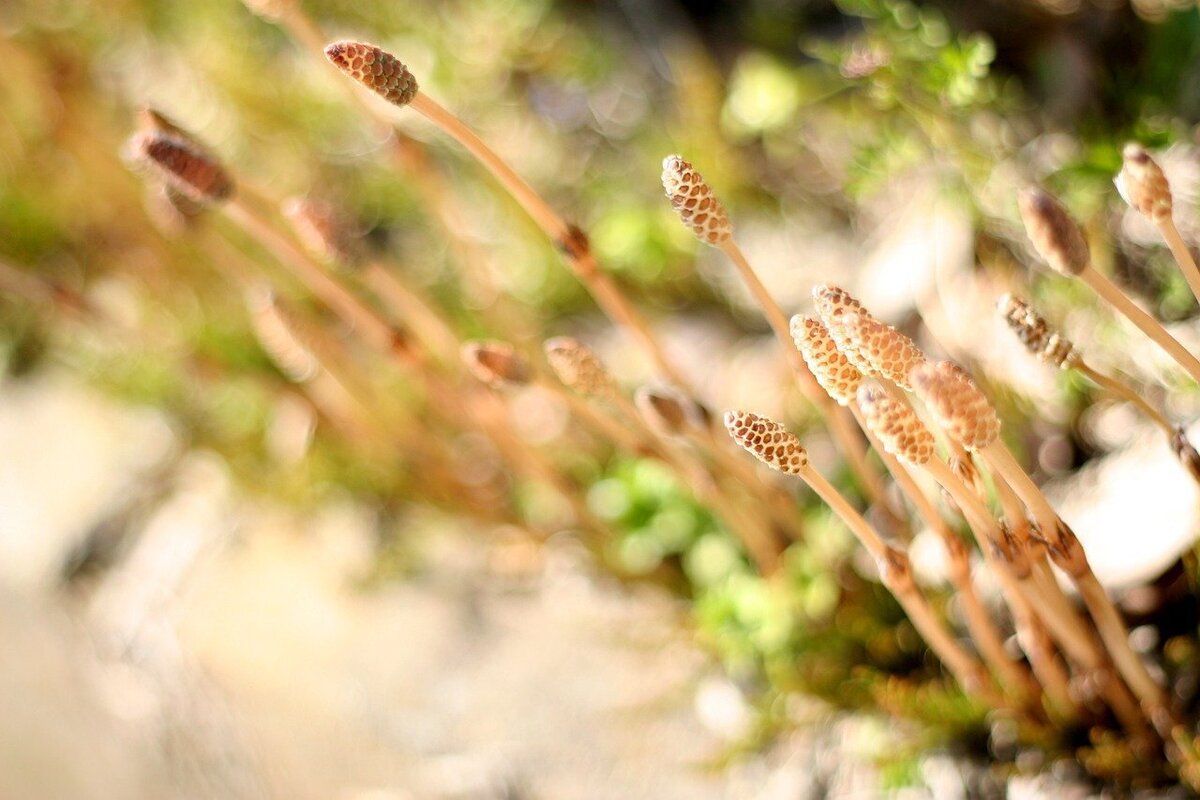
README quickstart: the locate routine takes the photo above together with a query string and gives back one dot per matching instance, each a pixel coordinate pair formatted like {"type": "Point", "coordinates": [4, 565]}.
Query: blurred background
{"type": "Point", "coordinates": [218, 580]}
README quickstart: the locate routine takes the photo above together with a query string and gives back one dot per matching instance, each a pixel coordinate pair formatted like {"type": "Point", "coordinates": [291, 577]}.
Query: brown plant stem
{"type": "Point", "coordinates": [1122, 391]}
{"type": "Point", "coordinates": [1146, 323]}
{"type": "Point", "coordinates": [393, 342]}
{"type": "Point", "coordinates": [1061, 621]}
{"type": "Point", "coordinates": [603, 425]}
{"type": "Point", "coordinates": [896, 574]}
{"type": "Point", "coordinates": [570, 240]}
{"type": "Point", "coordinates": [1013, 678]}
{"type": "Point", "coordinates": [415, 311]}
{"type": "Point", "coordinates": [849, 441]}
{"type": "Point", "coordinates": [368, 322]}
{"type": "Point", "coordinates": [411, 156]}
{"type": "Point", "coordinates": [1181, 252]}
{"type": "Point", "coordinates": [1066, 551]}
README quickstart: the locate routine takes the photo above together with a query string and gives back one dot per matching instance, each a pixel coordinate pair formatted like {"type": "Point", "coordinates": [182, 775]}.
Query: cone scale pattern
{"type": "Point", "coordinates": [837, 376]}
{"type": "Point", "coordinates": [768, 441]}
{"type": "Point", "coordinates": [834, 304]}
{"type": "Point", "coordinates": [1036, 334]}
{"type": "Point", "coordinates": [958, 405]}
{"type": "Point", "coordinates": [376, 69]}
{"type": "Point", "coordinates": [896, 426]}
{"type": "Point", "coordinates": [694, 201]}
{"type": "Point", "coordinates": [890, 353]}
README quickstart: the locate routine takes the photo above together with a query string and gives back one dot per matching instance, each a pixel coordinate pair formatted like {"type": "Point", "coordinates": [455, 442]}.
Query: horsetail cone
{"type": "Point", "coordinates": [578, 367]}
{"type": "Point", "coordinates": [768, 441]}
{"type": "Point", "coordinates": [665, 413]}
{"type": "Point", "coordinates": [694, 201]}
{"type": "Point", "coordinates": [890, 353]}
{"type": "Point", "coordinates": [1036, 334]}
{"type": "Point", "coordinates": [1142, 184]}
{"type": "Point", "coordinates": [496, 364]}
{"type": "Point", "coordinates": [280, 337]}
{"type": "Point", "coordinates": [376, 69]}
{"type": "Point", "coordinates": [832, 301]}
{"type": "Point", "coordinates": [154, 121]}
{"type": "Point", "coordinates": [1054, 233]}
{"type": "Point", "coordinates": [834, 304]}
{"type": "Point", "coordinates": [323, 231]}
{"type": "Point", "coordinates": [896, 426]}
{"type": "Point", "coordinates": [838, 377]}
{"type": "Point", "coordinates": [184, 164]}
{"type": "Point", "coordinates": [957, 404]}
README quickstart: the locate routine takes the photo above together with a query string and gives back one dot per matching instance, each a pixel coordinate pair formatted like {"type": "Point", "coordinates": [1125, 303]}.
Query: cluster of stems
{"type": "Point", "coordinates": [927, 422]}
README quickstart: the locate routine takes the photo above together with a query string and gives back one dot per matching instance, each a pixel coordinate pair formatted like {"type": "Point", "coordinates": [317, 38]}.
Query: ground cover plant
{"type": "Point", "coordinates": [453, 251]}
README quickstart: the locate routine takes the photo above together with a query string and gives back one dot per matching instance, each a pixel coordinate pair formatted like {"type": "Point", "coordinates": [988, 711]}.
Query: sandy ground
{"type": "Point", "coordinates": [231, 650]}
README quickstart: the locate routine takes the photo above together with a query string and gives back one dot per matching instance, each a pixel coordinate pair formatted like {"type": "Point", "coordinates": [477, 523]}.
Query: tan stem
{"type": "Point", "coordinates": [966, 670]}
{"type": "Point", "coordinates": [1061, 620]}
{"type": "Point", "coordinates": [897, 576]}
{"type": "Point", "coordinates": [1123, 392]}
{"type": "Point", "coordinates": [1066, 549]}
{"type": "Point", "coordinates": [619, 435]}
{"type": "Point", "coordinates": [353, 309]}
{"type": "Point", "coordinates": [1035, 640]}
{"type": "Point", "coordinates": [569, 240]}
{"type": "Point", "coordinates": [392, 342]}
{"type": "Point", "coordinates": [848, 440]}
{"type": "Point", "coordinates": [1067, 628]}
{"type": "Point", "coordinates": [1179, 249]}
{"type": "Point", "coordinates": [979, 623]}
{"type": "Point", "coordinates": [862, 529]}
{"type": "Point", "coordinates": [412, 310]}
{"type": "Point", "coordinates": [1148, 324]}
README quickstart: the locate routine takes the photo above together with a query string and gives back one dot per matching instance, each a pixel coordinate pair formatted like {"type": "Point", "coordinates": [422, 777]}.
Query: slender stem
{"type": "Point", "coordinates": [1035, 640]}
{"type": "Point", "coordinates": [1179, 249]}
{"type": "Point", "coordinates": [378, 332]}
{"type": "Point", "coordinates": [848, 440]}
{"type": "Point", "coordinates": [1062, 622]}
{"type": "Point", "coordinates": [771, 310]}
{"type": "Point", "coordinates": [600, 423]}
{"type": "Point", "coordinates": [569, 240]}
{"type": "Point", "coordinates": [1066, 549]}
{"type": "Point", "coordinates": [966, 670]}
{"type": "Point", "coordinates": [897, 576]}
{"type": "Point", "coordinates": [987, 638]}
{"type": "Point", "coordinates": [521, 191]}
{"type": "Point", "coordinates": [1124, 392]}
{"type": "Point", "coordinates": [353, 309]}
{"type": "Point", "coordinates": [412, 310]}
{"type": "Point", "coordinates": [841, 506]}
{"type": "Point", "coordinates": [1148, 324]}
